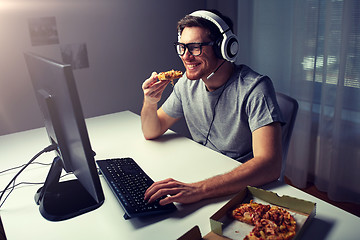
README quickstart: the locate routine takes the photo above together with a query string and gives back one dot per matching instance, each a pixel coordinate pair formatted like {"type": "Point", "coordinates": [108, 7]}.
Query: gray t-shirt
{"type": "Point", "coordinates": [225, 118]}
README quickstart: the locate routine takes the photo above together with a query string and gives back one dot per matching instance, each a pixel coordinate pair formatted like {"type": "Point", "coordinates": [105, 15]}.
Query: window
{"type": "Point", "coordinates": [332, 45]}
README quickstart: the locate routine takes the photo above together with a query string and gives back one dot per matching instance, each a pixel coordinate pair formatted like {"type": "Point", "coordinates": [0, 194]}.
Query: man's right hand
{"type": "Point", "coordinates": [154, 121]}
{"type": "Point", "coordinates": [153, 89]}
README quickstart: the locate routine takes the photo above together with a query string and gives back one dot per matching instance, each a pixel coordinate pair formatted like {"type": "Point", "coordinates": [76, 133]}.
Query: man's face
{"type": "Point", "coordinates": [198, 66]}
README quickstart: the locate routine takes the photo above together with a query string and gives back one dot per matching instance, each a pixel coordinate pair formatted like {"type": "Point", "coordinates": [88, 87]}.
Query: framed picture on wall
{"type": "Point", "coordinates": [75, 54]}
{"type": "Point", "coordinates": [43, 31]}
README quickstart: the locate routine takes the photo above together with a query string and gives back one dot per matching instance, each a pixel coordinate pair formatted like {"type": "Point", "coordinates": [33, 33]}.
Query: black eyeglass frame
{"type": "Point", "coordinates": [186, 46]}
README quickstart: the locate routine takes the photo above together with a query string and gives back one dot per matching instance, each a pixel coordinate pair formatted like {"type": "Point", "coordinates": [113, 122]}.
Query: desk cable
{"type": "Point", "coordinates": [49, 148]}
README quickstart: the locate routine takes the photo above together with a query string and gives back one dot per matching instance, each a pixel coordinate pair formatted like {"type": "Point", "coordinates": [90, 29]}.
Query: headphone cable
{"type": "Point", "coordinates": [213, 118]}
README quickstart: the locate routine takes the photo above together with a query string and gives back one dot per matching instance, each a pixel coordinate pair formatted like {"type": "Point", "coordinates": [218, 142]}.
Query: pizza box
{"type": "Point", "coordinates": [223, 226]}
{"type": "Point", "coordinates": [195, 234]}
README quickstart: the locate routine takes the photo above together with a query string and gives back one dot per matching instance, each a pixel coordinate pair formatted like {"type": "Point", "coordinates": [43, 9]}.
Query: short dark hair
{"type": "Point", "coordinates": [212, 30]}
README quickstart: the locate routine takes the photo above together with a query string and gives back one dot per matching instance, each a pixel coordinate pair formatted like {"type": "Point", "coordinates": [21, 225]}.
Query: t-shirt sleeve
{"type": "Point", "coordinates": [262, 107]}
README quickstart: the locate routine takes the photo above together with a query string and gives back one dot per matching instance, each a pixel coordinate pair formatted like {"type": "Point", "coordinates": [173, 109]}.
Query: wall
{"type": "Point", "coordinates": [265, 28]}
{"type": "Point", "coordinates": [125, 40]}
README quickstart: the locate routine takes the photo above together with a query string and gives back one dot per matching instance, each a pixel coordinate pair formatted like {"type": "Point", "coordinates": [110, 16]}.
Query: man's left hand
{"type": "Point", "coordinates": [175, 191]}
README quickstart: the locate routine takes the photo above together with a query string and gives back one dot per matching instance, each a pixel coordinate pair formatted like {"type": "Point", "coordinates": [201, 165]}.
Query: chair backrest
{"type": "Point", "coordinates": [289, 107]}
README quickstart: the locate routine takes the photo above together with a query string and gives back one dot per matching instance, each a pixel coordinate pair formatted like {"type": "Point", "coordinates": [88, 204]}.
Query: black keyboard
{"type": "Point", "coordinates": [129, 183]}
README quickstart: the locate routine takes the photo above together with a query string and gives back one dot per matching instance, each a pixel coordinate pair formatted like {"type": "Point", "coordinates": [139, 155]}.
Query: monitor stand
{"type": "Point", "coordinates": [63, 200]}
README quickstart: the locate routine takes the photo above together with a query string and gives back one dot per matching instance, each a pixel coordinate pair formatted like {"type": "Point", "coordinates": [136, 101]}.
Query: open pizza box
{"type": "Point", "coordinates": [223, 226]}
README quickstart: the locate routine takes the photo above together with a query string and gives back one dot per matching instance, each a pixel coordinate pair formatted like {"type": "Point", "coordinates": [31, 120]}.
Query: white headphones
{"type": "Point", "coordinates": [228, 46]}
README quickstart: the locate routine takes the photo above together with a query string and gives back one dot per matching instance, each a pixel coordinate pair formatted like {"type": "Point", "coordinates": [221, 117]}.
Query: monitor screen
{"type": "Point", "coordinates": [55, 89]}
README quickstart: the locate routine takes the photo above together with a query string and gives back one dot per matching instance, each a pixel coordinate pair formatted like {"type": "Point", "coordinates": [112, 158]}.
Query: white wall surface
{"type": "Point", "coordinates": [126, 40]}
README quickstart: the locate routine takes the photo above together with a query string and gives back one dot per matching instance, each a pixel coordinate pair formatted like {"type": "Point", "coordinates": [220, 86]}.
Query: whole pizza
{"type": "Point", "coordinates": [270, 222]}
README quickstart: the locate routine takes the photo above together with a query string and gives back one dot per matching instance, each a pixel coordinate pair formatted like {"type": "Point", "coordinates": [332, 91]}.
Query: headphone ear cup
{"type": "Point", "coordinates": [227, 46]}
{"type": "Point", "coordinates": [217, 48]}
{"type": "Point", "coordinates": [230, 48]}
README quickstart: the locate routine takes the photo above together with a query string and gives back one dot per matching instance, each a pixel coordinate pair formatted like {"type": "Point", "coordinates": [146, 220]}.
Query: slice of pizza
{"type": "Point", "coordinates": [284, 220]}
{"type": "Point", "coordinates": [264, 230]}
{"type": "Point", "coordinates": [169, 75]}
{"type": "Point", "coordinates": [250, 213]}
{"type": "Point", "coordinates": [270, 222]}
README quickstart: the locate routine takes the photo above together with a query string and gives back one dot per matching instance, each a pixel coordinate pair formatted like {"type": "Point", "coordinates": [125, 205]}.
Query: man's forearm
{"type": "Point", "coordinates": [150, 122]}
{"type": "Point", "coordinates": [250, 173]}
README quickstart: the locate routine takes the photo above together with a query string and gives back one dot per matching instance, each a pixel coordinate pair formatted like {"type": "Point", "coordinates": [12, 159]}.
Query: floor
{"type": "Point", "coordinates": [312, 190]}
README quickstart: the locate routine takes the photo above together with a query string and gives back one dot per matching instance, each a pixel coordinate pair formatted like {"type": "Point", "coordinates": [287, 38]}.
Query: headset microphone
{"type": "Point", "coordinates": [212, 74]}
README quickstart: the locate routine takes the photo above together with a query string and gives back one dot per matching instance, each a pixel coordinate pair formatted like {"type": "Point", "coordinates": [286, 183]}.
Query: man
{"type": "Point", "coordinates": [228, 108]}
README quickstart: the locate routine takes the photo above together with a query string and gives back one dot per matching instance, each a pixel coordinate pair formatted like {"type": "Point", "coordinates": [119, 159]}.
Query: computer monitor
{"type": "Point", "coordinates": [58, 99]}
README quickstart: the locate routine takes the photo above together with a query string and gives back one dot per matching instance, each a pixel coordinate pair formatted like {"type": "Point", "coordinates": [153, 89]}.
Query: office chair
{"type": "Point", "coordinates": [289, 107]}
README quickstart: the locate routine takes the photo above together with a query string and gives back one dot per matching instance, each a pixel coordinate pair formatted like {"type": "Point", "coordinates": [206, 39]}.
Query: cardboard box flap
{"type": "Point", "coordinates": [215, 224]}
{"type": "Point", "coordinates": [295, 204]}
{"type": "Point", "coordinates": [193, 234]}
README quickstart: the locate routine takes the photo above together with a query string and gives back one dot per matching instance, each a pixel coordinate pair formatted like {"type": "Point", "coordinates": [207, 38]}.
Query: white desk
{"type": "Point", "coordinates": [119, 135]}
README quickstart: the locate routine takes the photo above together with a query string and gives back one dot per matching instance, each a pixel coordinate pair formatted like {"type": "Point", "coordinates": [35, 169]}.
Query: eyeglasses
{"type": "Point", "coordinates": [195, 49]}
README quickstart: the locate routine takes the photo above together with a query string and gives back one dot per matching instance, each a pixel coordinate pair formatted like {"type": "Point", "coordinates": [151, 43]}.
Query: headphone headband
{"type": "Point", "coordinates": [228, 47]}
{"type": "Point", "coordinates": [212, 17]}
